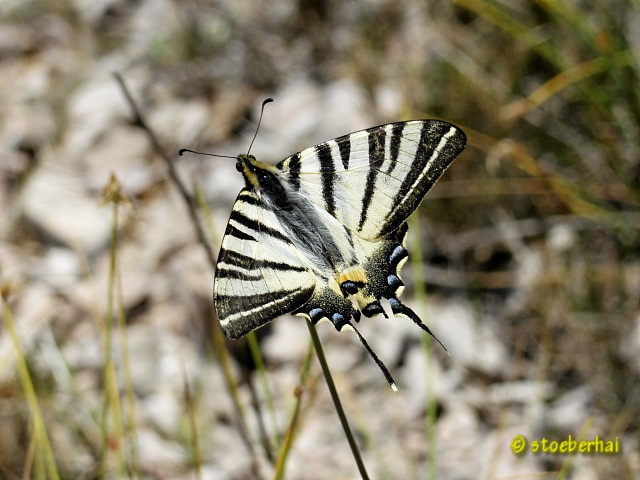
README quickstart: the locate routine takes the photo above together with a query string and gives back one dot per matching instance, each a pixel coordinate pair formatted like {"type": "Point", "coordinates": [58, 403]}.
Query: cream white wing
{"type": "Point", "coordinates": [260, 274]}
{"type": "Point", "coordinates": [372, 180]}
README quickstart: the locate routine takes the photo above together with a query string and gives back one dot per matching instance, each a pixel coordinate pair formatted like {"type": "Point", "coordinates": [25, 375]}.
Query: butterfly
{"type": "Point", "coordinates": [321, 234]}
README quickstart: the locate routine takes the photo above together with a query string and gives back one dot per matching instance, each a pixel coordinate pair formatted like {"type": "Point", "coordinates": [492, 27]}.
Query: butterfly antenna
{"type": "Point", "coordinates": [183, 150]}
{"type": "Point", "coordinates": [400, 309]}
{"type": "Point", "coordinates": [381, 365]}
{"type": "Point", "coordinates": [268, 100]}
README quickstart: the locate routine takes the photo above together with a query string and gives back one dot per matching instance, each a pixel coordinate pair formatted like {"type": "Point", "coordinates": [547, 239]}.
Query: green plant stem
{"type": "Point", "coordinates": [336, 400]}
{"type": "Point", "coordinates": [254, 348]}
{"type": "Point", "coordinates": [289, 435]}
{"type": "Point", "coordinates": [420, 292]}
{"type": "Point", "coordinates": [40, 440]}
{"type": "Point", "coordinates": [108, 320]}
{"type": "Point", "coordinates": [130, 422]}
{"type": "Point", "coordinates": [193, 425]}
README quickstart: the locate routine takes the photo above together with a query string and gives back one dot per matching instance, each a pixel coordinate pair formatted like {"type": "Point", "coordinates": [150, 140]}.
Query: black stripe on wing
{"type": "Point", "coordinates": [376, 138]}
{"type": "Point", "coordinates": [253, 311]}
{"type": "Point", "coordinates": [327, 170]}
{"type": "Point", "coordinates": [293, 165]}
{"type": "Point", "coordinates": [428, 165]}
{"type": "Point", "coordinates": [344, 145]}
{"type": "Point", "coordinates": [252, 224]}
{"type": "Point", "coordinates": [394, 145]}
{"type": "Point", "coordinates": [239, 234]}
{"type": "Point", "coordinates": [231, 258]}
{"type": "Point", "coordinates": [259, 299]}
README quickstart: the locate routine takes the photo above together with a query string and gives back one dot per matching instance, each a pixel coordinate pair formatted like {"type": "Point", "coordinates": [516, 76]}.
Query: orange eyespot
{"type": "Point", "coordinates": [353, 274]}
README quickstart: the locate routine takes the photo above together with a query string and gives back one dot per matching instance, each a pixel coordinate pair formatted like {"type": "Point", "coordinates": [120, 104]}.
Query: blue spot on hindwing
{"type": "Point", "coordinates": [372, 309]}
{"type": "Point", "coordinates": [348, 288]}
{"type": "Point", "coordinates": [316, 314]}
{"type": "Point", "coordinates": [396, 306]}
{"type": "Point", "coordinates": [398, 254]}
{"type": "Point", "coordinates": [394, 282]}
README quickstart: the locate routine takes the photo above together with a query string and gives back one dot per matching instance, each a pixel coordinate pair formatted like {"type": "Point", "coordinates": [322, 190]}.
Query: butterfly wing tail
{"type": "Point", "coordinates": [327, 305]}
{"type": "Point", "coordinates": [398, 308]}
{"type": "Point", "coordinates": [381, 365]}
{"type": "Point", "coordinates": [384, 278]}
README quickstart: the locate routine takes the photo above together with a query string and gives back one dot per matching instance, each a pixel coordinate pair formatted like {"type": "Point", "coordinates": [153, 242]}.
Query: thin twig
{"type": "Point", "coordinates": [192, 207]}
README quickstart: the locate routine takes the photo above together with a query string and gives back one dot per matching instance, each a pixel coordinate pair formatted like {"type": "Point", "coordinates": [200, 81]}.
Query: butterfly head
{"type": "Point", "coordinates": [258, 175]}
{"type": "Point", "coordinates": [244, 162]}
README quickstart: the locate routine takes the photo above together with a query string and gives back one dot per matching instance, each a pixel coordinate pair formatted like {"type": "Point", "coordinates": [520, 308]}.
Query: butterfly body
{"type": "Point", "coordinates": [321, 234]}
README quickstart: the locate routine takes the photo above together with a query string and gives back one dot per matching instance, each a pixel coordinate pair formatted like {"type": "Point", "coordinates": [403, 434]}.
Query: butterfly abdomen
{"type": "Point", "coordinates": [298, 217]}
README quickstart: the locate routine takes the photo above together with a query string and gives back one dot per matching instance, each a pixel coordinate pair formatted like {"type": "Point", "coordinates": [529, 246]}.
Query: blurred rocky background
{"type": "Point", "coordinates": [526, 255]}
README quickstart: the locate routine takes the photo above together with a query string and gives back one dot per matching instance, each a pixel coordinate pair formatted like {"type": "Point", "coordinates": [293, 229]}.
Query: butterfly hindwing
{"type": "Point", "coordinates": [372, 180]}
{"type": "Point", "coordinates": [372, 276]}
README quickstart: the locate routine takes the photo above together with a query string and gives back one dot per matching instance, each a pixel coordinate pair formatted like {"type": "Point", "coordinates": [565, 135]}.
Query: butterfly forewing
{"type": "Point", "coordinates": [372, 180]}
{"type": "Point", "coordinates": [259, 275]}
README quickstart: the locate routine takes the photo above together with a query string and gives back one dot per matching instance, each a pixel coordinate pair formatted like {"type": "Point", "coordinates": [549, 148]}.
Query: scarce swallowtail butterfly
{"type": "Point", "coordinates": [321, 234]}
